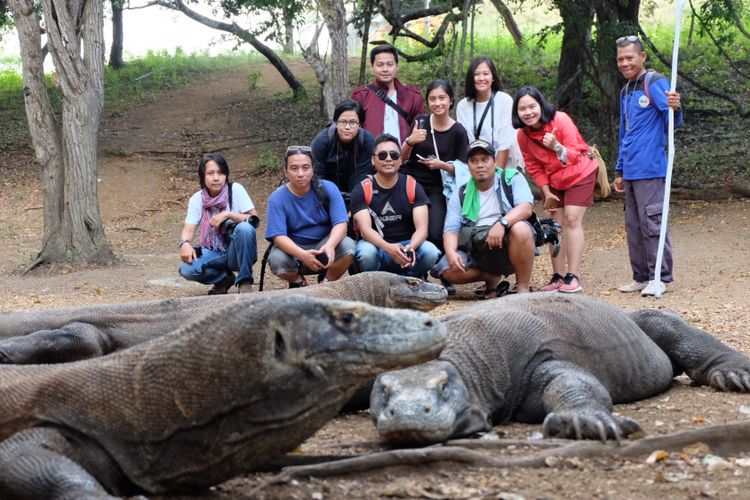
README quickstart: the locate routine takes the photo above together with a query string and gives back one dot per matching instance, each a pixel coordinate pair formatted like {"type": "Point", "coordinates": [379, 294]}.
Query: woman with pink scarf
{"type": "Point", "coordinates": [227, 219]}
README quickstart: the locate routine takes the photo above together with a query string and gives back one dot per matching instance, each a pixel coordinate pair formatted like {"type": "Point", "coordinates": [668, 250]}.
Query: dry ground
{"type": "Point", "coordinates": [147, 172]}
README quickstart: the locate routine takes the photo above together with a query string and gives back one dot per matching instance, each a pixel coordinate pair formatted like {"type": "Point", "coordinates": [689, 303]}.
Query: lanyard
{"type": "Point", "coordinates": [490, 106]}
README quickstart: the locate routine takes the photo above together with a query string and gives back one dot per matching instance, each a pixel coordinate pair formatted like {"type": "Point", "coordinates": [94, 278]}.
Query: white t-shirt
{"type": "Point", "coordinates": [497, 128]}
{"type": "Point", "coordinates": [241, 203]}
{"type": "Point", "coordinates": [390, 118]}
{"type": "Point", "coordinates": [489, 207]}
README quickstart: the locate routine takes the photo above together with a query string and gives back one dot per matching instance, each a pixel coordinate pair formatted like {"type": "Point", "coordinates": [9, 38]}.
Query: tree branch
{"type": "Point", "coordinates": [727, 439]}
{"type": "Point", "coordinates": [243, 35]}
{"type": "Point", "coordinates": [707, 30]}
{"type": "Point", "coordinates": [737, 104]}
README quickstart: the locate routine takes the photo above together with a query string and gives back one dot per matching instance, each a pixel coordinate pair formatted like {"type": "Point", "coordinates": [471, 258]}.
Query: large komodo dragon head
{"type": "Point", "coordinates": [232, 390]}
{"type": "Point", "coordinates": [423, 404]}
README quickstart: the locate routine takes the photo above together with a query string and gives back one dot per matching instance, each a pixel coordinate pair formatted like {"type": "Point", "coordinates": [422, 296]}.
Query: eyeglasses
{"type": "Point", "coordinates": [383, 155]}
{"type": "Point", "coordinates": [298, 150]}
{"type": "Point", "coordinates": [347, 123]}
{"type": "Point", "coordinates": [627, 39]}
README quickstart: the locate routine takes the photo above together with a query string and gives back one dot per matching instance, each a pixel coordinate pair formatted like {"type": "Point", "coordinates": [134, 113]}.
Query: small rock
{"type": "Point", "coordinates": [714, 463]}
{"type": "Point", "coordinates": [742, 462]}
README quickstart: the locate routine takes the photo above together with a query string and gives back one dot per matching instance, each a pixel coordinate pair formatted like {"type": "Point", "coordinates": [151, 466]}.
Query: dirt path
{"type": "Point", "coordinates": [147, 172]}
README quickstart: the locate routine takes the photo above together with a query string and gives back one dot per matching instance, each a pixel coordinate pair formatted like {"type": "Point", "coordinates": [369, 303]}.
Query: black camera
{"type": "Point", "coordinates": [548, 232]}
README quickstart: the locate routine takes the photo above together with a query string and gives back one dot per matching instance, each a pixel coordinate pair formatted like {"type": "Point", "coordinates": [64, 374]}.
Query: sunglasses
{"type": "Point", "coordinates": [298, 150]}
{"type": "Point", "coordinates": [383, 155]}
{"type": "Point", "coordinates": [627, 39]}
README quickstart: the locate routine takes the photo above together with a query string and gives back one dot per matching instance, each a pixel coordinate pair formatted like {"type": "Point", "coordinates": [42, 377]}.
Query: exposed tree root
{"type": "Point", "coordinates": [727, 439]}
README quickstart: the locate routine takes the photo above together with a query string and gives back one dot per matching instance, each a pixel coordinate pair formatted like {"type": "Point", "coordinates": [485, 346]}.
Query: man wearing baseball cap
{"type": "Point", "coordinates": [486, 236]}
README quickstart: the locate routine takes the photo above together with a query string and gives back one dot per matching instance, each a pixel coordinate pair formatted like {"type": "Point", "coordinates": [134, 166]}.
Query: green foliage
{"type": "Point", "coordinates": [267, 162]}
{"type": "Point", "coordinates": [252, 78]}
{"type": "Point", "coordinates": [142, 79]}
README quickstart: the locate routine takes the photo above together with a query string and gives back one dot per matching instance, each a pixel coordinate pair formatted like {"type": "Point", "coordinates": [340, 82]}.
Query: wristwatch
{"type": "Point", "coordinates": [182, 242]}
{"type": "Point", "coordinates": [505, 223]}
{"type": "Point", "coordinates": [558, 148]}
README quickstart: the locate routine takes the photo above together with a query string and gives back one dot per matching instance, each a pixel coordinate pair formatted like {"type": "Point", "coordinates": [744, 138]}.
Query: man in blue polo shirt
{"type": "Point", "coordinates": [307, 223]}
{"type": "Point", "coordinates": [642, 163]}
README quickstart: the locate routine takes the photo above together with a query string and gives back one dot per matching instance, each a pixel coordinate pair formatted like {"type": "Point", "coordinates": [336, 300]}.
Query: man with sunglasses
{"type": "Point", "coordinates": [642, 163]}
{"type": "Point", "coordinates": [307, 223]}
{"type": "Point", "coordinates": [393, 223]}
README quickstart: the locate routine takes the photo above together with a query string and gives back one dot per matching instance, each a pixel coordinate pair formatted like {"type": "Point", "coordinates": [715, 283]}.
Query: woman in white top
{"type": "Point", "coordinates": [486, 112]}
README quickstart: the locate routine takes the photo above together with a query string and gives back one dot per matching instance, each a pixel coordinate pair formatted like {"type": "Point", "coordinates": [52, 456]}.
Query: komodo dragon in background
{"type": "Point", "coordinates": [556, 358]}
{"type": "Point", "coordinates": [195, 407]}
{"type": "Point", "coordinates": [69, 334]}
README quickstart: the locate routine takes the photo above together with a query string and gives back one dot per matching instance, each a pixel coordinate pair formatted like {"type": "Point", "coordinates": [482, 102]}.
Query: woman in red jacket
{"type": "Point", "coordinates": [559, 161]}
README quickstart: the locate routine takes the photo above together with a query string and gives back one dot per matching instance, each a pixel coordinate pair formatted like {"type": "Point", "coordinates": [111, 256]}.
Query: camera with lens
{"type": "Point", "coordinates": [548, 232]}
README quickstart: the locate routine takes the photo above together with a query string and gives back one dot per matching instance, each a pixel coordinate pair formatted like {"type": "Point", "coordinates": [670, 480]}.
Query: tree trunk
{"type": "Point", "coordinates": [614, 18]}
{"type": "Point", "coordinates": [73, 231]}
{"type": "Point", "coordinates": [115, 51]}
{"type": "Point", "coordinates": [509, 20]}
{"type": "Point", "coordinates": [577, 17]}
{"type": "Point", "coordinates": [334, 16]}
{"type": "Point", "coordinates": [367, 20]}
{"type": "Point", "coordinates": [297, 88]}
{"type": "Point", "coordinates": [288, 30]}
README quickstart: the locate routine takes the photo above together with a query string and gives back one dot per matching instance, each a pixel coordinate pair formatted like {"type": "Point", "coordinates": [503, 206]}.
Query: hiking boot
{"type": "Point", "coordinates": [245, 287]}
{"type": "Point", "coordinates": [554, 284]}
{"type": "Point", "coordinates": [571, 284]}
{"type": "Point", "coordinates": [448, 286]}
{"type": "Point", "coordinates": [633, 286]}
{"type": "Point", "coordinates": [223, 286]}
{"type": "Point", "coordinates": [653, 287]}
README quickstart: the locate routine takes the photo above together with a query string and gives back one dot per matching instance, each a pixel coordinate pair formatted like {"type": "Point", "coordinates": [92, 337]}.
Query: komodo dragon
{"type": "Point", "coordinates": [222, 396]}
{"type": "Point", "coordinates": [556, 358]}
{"type": "Point", "coordinates": [69, 334]}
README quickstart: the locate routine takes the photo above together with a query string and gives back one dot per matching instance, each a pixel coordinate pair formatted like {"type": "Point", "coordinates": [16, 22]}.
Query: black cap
{"type": "Point", "coordinates": [480, 145]}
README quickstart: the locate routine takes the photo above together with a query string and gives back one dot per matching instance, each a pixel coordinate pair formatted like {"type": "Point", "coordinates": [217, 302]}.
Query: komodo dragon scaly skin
{"type": "Point", "coordinates": [553, 358]}
{"type": "Point", "coordinates": [69, 334]}
{"type": "Point", "coordinates": [193, 408]}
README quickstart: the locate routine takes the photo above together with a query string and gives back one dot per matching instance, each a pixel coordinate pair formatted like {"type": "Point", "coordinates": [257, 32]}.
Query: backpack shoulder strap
{"type": "Point", "coordinates": [462, 194]}
{"type": "Point", "coordinates": [367, 189]}
{"type": "Point", "coordinates": [384, 97]}
{"type": "Point", "coordinates": [411, 188]}
{"type": "Point", "coordinates": [505, 186]}
{"type": "Point", "coordinates": [229, 186]}
{"type": "Point", "coordinates": [321, 193]}
{"type": "Point", "coordinates": [646, 80]}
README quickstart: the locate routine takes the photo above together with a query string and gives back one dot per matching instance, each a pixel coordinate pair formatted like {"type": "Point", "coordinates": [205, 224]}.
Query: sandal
{"type": "Point", "coordinates": [493, 293]}
{"type": "Point", "coordinates": [299, 284]}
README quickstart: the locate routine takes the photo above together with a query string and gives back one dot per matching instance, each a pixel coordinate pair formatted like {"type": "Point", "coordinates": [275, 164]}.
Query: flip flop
{"type": "Point", "coordinates": [499, 291]}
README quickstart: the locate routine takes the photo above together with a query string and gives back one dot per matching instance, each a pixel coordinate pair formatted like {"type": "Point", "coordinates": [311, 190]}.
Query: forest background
{"type": "Point", "coordinates": [565, 47]}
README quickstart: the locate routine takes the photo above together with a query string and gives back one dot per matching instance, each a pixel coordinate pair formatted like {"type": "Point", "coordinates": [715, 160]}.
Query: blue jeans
{"type": "Point", "coordinates": [212, 267]}
{"type": "Point", "coordinates": [371, 258]}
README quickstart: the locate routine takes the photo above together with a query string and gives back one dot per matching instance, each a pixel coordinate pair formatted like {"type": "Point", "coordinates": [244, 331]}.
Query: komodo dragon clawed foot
{"type": "Point", "coordinates": [589, 424]}
{"type": "Point", "coordinates": [731, 375]}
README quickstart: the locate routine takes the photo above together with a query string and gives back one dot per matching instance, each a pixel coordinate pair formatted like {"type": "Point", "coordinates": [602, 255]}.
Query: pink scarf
{"type": "Point", "coordinates": [211, 237]}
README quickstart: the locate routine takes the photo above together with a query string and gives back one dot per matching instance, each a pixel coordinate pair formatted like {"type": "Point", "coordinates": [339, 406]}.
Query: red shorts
{"type": "Point", "coordinates": [579, 195]}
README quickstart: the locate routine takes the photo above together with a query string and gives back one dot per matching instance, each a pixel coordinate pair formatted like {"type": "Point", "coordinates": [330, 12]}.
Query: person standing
{"type": "Point", "coordinates": [560, 162]}
{"type": "Point", "coordinates": [435, 143]}
{"type": "Point", "coordinates": [307, 223]}
{"type": "Point", "coordinates": [393, 222]}
{"type": "Point", "coordinates": [642, 163]}
{"type": "Point", "coordinates": [486, 111]}
{"type": "Point", "coordinates": [389, 105]}
{"type": "Point", "coordinates": [342, 151]}
{"type": "Point", "coordinates": [212, 210]}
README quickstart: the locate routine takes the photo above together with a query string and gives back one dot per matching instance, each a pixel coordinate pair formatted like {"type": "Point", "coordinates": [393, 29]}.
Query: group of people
{"type": "Point", "coordinates": [396, 186]}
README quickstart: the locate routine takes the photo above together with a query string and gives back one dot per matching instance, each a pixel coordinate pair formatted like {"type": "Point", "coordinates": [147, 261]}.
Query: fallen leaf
{"type": "Point", "coordinates": [657, 456]}
{"type": "Point", "coordinates": [699, 448]}
{"type": "Point", "coordinates": [697, 420]}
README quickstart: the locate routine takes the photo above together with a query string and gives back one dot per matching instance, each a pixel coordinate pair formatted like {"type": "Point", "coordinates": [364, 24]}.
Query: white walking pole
{"type": "Point", "coordinates": [670, 152]}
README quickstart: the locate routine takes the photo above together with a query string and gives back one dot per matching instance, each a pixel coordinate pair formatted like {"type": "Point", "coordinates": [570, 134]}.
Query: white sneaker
{"type": "Point", "coordinates": [633, 286]}
{"type": "Point", "coordinates": [654, 286]}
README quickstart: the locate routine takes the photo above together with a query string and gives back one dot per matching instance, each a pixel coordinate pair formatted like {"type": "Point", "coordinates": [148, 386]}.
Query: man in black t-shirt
{"type": "Point", "coordinates": [390, 212]}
